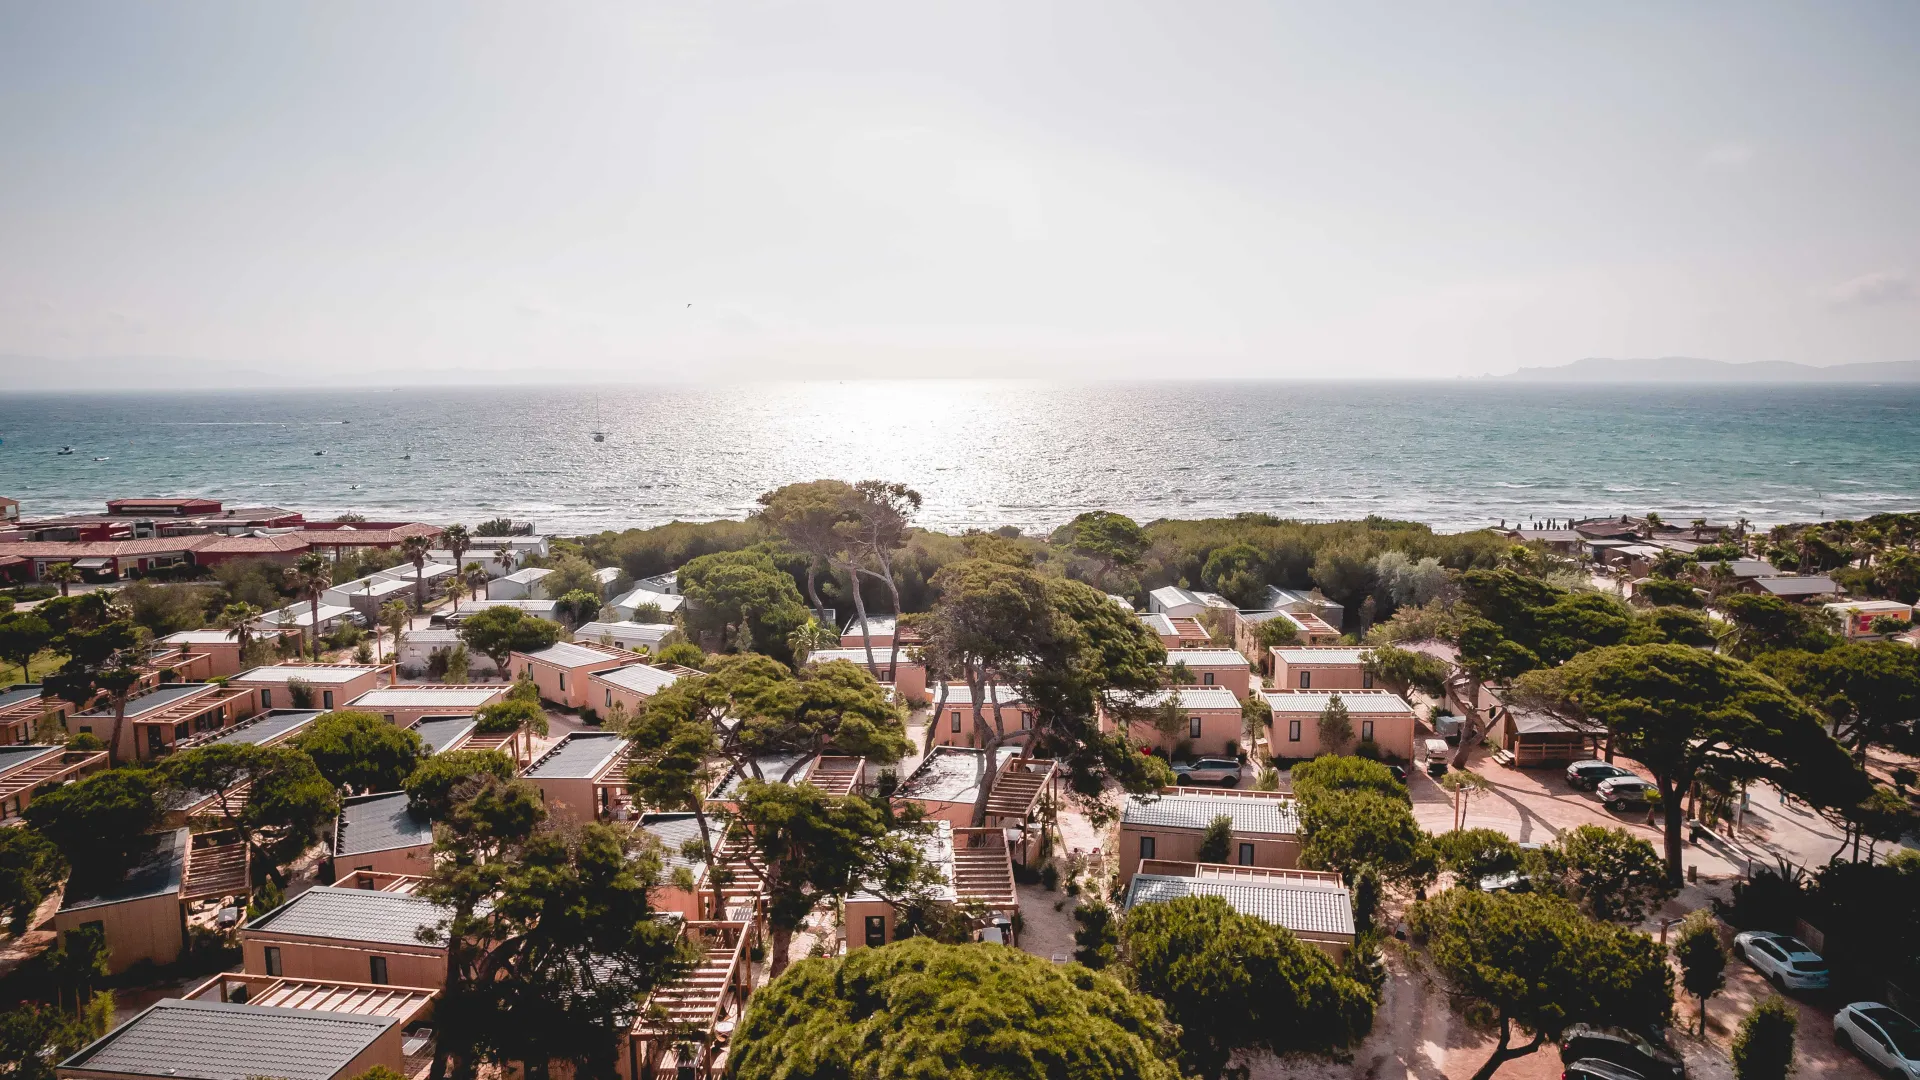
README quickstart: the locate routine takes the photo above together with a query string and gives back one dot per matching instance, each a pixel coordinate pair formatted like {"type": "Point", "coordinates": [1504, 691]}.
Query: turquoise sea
{"type": "Point", "coordinates": [1455, 454]}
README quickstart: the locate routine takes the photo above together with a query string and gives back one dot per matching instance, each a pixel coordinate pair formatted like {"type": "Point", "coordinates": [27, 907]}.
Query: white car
{"type": "Point", "coordinates": [1785, 961]}
{"type": "Point", "coordinates": [1222, 771]}
{"type": "Point", "coordinates": [1884, 1037]}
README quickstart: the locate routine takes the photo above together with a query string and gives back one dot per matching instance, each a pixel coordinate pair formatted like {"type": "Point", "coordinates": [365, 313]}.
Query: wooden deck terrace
{"type": "Point", "coordinates": [744, 885]}
{"type": "Point", "coordinates": [610, 787]}
{"type": "Point", "coordinates": [688, 1023]}
{"type": "Point", "coordinates": [217, 864]}
{"type": "Point", "coordinates": [983, 868]}
{"type": "Point", "coordinates": [17, 788]}
{"type": "Point", "coordinates": [514, 744]}
{"type": "Point", "coordinates": [407, 1003]}
{"type": "Point", "coordinates": [836, 775]}
{"type": "Point", "coordinates": [381, 881]}
{"type": "Point", "coordinates": [193, 707]}
{"type": "Point", "coordinates": [1017, 790]}
{"type": "Point", "coordinates": [186, 665]}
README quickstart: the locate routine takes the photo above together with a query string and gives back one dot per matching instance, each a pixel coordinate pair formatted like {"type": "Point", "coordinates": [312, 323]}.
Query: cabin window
{"type": "Point", "coordinates": [326, 699]}
{"type": "Point", "coordinates": [376, 969]}
{"type": "Point", "coordinates": [1146, 847]}
{"type": "Point", "coordinates": [273, 960]}
{"type": "Point", "coordinates": [956, 723]}
{"type": "Point", "coordinates": [563, 682]}
{"type": "Point", "coordinates": [1306, 679]}
{"type": "Point", "coordinates": [1366, 680]}
{"type": "Point", "coordinates": [1366, 730]}
{"type": "Point", "coordinates": [1026, 720]}
{"type": "Point", "coordinates": [266, 699]}
{"type": "Point", "coordinates": [1246, 854]}
{"type": "Point", "coordinates": [1206, 678]}
{"type": "Point", "coordinates": [1293, 731]}
{"type": "Point", "coordinates": [1193, 727]}
{"type": "Point", "coordinates": [609, 699]}
{"type": "Point", "coordinates": [876, 930]}
{"type": "Point", "coordinates": [181, 731]}
{"type": "Point", "coordinates": [155, 740]}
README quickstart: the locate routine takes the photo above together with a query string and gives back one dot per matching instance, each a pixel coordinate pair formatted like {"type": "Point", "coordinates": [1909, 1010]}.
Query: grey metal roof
{"type": "Point", "coordinates": [668, 603]}
{"type": "Point", "coordinates": [960, 693]}
{"type": "Point", "coordinates": [381, 822]}
{"type": "Point", "coordinates": [1798, 586]}
{"type": "Point", "coordinates": [567, 654]}
{"type": "Point", "coordinates": [1303, 907]}
{"type": "Point", "coordinates": [200, 637]}
{"type": "Point", "coordinates": [858, 654]}
{"type": "Point", "coordinates": [217, 1040]}
{"type": "Point", "coordinates": [18, 754]}
{"type": "Point", "coordinates": [1329, 654]}
{"type": "Point", "coordinates": [772, 768]}
{"type": "Point", "coordinates": [268, 726]}
{"type": "Point", "coordinates": [579, 756]}
{"type": "Point", "coordinates": [1356, 701]}
{"type": "Point", "coordinates": [158, 874]}
{"type": "Point", "coordinates": [624, 631]}
{"type": "Point", "coordinates": [1156, 621]}
{"type": "Point", "coordinates": [877, 626]}
{"type": "Point", "coordinates": [366, 915]}
{"type": "Point", "coordinates": [1198, 811]}
{"type": "Point", "coordinates": [433, 697]}
{"type": "Point", "coordinates": [952, 774]}
{"type": "Point", "coordinates": [1174, 596]}
{"type": "Point", "coordinates": [1207, 658]}
{"type": "Point", "coordinates": [316, 674]}
{"type": "Point", "coordinates": [440, 732]}
{"type": "Point", "coordinates": [1751, 568]}
{"type": "Point", "coordinates": [1186, 697]}
{"type": "Point", "coordinates": [640, 678]}
{"type": "Point", "coordinates": [159, 697]}
{"type": "Point", "coordinates": [14, 695]}
{"type": "Point", "coordinates": [673, 831]}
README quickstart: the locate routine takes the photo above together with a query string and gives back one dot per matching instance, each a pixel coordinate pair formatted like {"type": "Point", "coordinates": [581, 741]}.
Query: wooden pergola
{"type": "Point", "coordinates": [687, 1024]}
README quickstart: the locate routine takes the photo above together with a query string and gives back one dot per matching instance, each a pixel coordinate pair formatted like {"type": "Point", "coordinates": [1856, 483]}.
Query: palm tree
{"type": "Point", "coordinates": [64, 573]}
{"type": "Point", "coordinates": [811, 638]}
{"type": "Point", "coordinates": [504, 556]}
{"type": "Point", "coordinates": [457, 539]}
{"type": "Point", "coordinates": [415, 548]}
{"type": "Point", "coordinates": [393, 618]}
{"type": "Point", "coordinates": [237, 620]}
{"type": "Point", "coordinates": [1699, 526]}
{"type": "Point", "coordinates": [456, 588]}
{"type": "Point", "coordinates": [476, 579]}
{"type": "Point", "coordinates": [310, 575]}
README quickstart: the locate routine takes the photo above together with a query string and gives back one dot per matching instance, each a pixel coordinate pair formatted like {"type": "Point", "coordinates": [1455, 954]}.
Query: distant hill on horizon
{"type": "Point", "coordinates": [1670, 369]}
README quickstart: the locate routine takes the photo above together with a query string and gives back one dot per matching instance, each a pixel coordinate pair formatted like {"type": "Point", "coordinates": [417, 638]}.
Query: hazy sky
{"type": "Point", "coordinates": [336, 191]}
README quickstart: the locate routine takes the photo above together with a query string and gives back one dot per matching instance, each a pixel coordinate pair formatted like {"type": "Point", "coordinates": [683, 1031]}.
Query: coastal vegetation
{"type": "Point", "coordinates": [889, 1013]}
{"type": "Point", "coordinates": [1108, 551]}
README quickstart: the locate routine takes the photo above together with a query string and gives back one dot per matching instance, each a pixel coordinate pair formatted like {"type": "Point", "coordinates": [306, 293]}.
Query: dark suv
{"type": "Point", "coordinates": [1617, 1046]}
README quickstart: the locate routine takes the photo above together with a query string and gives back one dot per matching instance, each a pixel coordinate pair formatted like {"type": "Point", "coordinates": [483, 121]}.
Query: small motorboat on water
{"type": "Point", "coordinates": [64, 451]}
{"type": "Point", "coordinates": [599, 436]}
{"type": "Point", "coordinates": [319, 453]}
{"type": "Point", "coordinates": [103, 459]}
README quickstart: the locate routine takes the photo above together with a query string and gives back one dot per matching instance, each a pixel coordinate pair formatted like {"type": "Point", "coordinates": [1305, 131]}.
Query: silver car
{"type": "Point", "coordinates": [1222, 771]}
{"type": "Point", "coordinates": [1786, 962]}
{"type": "Point", "coordinates": [1881, 1035]}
